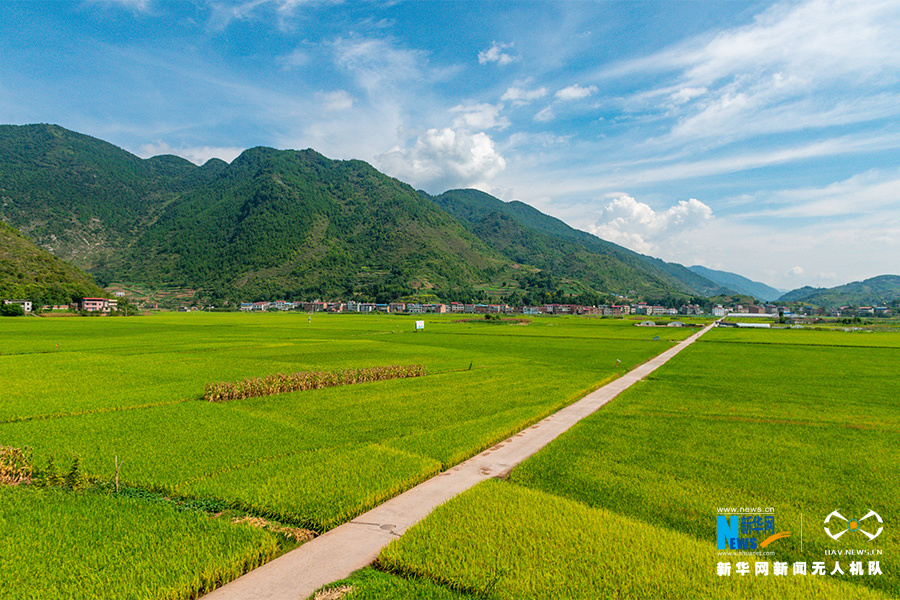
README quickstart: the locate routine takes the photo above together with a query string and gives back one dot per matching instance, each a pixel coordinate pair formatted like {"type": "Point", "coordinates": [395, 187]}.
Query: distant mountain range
{"type": "Point", "coordinates": [295, 224]}
{"type": "Point", "coordinates": [739, 284]}
{"type": "Point", "coordinates": [876, 291]}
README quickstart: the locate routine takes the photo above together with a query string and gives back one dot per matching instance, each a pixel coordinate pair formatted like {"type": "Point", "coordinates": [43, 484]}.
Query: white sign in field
{"type": "Point", "coordinates": [420, 325]}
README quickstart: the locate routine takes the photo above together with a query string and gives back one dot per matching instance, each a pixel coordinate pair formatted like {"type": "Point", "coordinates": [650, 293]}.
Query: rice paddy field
{"type": "Point", "coordinates": [625, 504]}
{"type": "Point", "coordinates": [128, 392]}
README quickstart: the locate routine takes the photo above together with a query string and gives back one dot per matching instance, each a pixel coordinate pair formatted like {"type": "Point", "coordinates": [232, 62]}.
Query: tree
{"type": "Point", "coordinates": [12, 310]}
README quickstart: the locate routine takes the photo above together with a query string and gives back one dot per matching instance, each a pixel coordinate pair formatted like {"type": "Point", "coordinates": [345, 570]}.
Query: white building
{"type": "Point", "coordinates": [25, 304]}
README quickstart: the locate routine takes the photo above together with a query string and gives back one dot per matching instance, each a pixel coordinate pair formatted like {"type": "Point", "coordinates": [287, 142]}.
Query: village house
{"type": "Point", "coordinates": [25, 304]}
{"type": "Point", "coordinates": [691, 309]}
{"type": "Point", "coordinates": [103, 305]}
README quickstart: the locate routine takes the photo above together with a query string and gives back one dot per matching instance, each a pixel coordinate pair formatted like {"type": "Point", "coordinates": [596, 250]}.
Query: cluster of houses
{"type": "Point", "coordinates": [641, 308]}
{"type": "Point", "coordinates": [769, 310]}
{"type": "Point", "coordinates": [751, 310]}
{"type": "Point", "coordinates": [101, 305]}
{"type": "Point", "coordinates": [107, 305]}
{"type": "Point", "coordinates": [860, 311]}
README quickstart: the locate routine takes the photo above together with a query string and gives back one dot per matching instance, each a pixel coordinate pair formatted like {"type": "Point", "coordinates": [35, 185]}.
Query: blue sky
{"type": "Point", "coordinates": [756, 137]}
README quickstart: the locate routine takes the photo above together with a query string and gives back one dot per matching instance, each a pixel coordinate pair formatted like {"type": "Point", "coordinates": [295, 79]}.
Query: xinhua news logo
{"type": "Point", "coordinates": [835, 528]}
{"type": "Point", "coordinates": [746, 531]}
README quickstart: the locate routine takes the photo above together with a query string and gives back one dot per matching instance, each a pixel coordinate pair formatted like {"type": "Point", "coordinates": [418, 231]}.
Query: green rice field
{"type": "Point", "coordinates": [59, 545]}
{"type": "Point", "coordinates": [130, 390]}
{"type": "Point", "coordinates": [624, 505]}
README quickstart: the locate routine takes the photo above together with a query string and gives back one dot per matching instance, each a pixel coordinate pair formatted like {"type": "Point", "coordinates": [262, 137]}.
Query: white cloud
{"type": "Point", "coordinates": [297, 58]}
{"type": "Point", "coordinates": [377, 63]}
{"type": "Point", "coordinates": [337, 101]}
{"type": "Point", "coordinates": [196, 154]}
{"type": "Point", "coordinates": [135, 5]}
{"type": "Point", "coordinates": [637, 226]}
{"type": "Point", "coordinates": [686, 94]}
{"type": "Point", "coordinates": [444, 159]}
{"type": "Point", "coordinates": [575, 92]}
{"type": "Point", "coordinates": [497, 55]}
{"type": "Point", "coordinates": [795, 271]}
{"type": "Point", "coordinates": [796, 66]}
{"type": "Point", "coordinates": [519, 96]}
{"type": "Point", "coordinates": [872, 194]}
{"type": "Point", "coordinates": [224, 13]}
{"type": "Point", "coordinates": [544, 115]}
{"type": "Point", "coordinates": [479, 116]}
{"type": "Point", "coordinates": [536, 140]}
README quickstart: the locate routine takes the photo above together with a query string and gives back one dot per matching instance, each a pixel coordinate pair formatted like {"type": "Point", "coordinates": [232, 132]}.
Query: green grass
{"type": "Point", "coordinates": [149, 415]}
{"type": "Point", "coordinates": [806, 422]}
{"type": "Point", "coordinates": [131, 388]}
{"type": "Point", "coordinates": [500, 540]}
{"type": "Point", "coordinates": [109, 364]}
{"type": "Point", "coordinates": [886, 338]}
{"type": "Point", "coordinates": [319, 489]}
{"type": "Point", "coordinates": [56, 545]}
{"type": "Point", "coordinates": [803, 428]}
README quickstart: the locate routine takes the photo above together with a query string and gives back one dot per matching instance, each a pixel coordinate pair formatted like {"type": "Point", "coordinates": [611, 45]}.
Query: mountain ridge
{"type": "Point", "coordinates": [294, 223]}
{"type": "Point", "coordinates": [878, 290]}
{"type": "Point", "coordinates": [576, 252]}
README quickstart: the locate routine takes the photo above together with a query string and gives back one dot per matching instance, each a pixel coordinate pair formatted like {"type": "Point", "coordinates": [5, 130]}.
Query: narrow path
{"type": "Point", "coordinates": [354, 545]}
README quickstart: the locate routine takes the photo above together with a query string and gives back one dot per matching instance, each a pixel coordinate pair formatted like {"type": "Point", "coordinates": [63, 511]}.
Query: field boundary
{"type": "Point", "coordinates": [356, 544]}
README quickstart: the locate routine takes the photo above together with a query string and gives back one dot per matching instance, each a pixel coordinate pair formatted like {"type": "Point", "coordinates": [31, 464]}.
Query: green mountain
{"type": "Point", "coordinates": [877, 291]}
{"type": "Point", "coordinates": [295, 224]}
{"type": "Point", "coordinates": [84, 199]}
{"type": "Point", "coordinates": [739, 284]}
{"type": "Point", "coordinates": [30, 273]}
{"type": "Point", "coordinates": [525, 235]}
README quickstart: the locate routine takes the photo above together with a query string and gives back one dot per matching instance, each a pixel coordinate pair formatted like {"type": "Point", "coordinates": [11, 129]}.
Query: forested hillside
{"type": "Point", "coordinates": [84, 199]}
{"type": "Point", "coordinates": [876, 291]}
{"type": "Point", "coordinates": [526, 235]}
{"type": "Point", "coordinates": [295, 224]}
{"type": "Point", "coordinates": [29, 273]}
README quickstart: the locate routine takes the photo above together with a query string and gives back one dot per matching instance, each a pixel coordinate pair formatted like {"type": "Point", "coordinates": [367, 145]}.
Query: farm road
{"type": "Point", "coordinates": [354, 545]}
